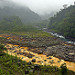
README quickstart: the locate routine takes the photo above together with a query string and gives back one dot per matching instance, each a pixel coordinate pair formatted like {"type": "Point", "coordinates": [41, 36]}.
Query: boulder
{"type": "Point", "coordinates": [31, 71]}
{"type": "Point", "coordinates": [33, 60]}
{"type": "Point", "coordinates": [36, 67]}
{"type": "Point", "coordinates": [29, 63]}
{"type": "Point", "coordinates": [32, 67]}
{"type": "Point", "coordinates": [29, 56]}
{"type": "Point", "coordinates": [49, 58]}
{"type": "Point", "coordinates": [40, 52]}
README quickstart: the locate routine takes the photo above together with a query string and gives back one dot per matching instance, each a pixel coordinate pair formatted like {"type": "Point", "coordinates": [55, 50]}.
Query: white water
{"type": "Point", "coordinates": [62, 37]}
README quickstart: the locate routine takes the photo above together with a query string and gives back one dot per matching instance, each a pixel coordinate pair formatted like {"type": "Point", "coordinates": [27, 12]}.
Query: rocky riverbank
{"type": "Point", "coordinates": [59, 35]}
{"type": "Point", "coordinates": [50, 46]}
{"type": "Point", "coordinates": [27, 54]}
{"type": "Point", "coordinates": [66, 52]}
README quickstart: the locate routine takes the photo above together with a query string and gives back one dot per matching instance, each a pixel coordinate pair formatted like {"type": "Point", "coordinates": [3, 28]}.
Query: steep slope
{"type": "Point", "coordinates": [14, 24]}
{"type": "Point", "coordinates": [10, 23]}
{"type": "Point", "coordinates": [12, 9]}
{"type": "Point", "coordinates": [64, 22]}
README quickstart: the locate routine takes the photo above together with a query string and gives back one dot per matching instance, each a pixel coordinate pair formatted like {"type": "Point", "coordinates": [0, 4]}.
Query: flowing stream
{"type": "Point", "coordinates": [61, 37]}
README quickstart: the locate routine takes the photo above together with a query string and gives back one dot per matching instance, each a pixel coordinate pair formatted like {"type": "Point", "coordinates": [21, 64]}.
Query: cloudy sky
{"type": "Point", "coordinates": [44, 6]}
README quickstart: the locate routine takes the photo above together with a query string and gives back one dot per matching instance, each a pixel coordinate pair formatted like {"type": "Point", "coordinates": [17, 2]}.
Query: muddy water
{"type": "Point", "coordinates": [40, 58]}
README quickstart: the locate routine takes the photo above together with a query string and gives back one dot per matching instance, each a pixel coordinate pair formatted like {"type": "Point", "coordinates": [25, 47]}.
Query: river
{"type": "Point", "coordinates": [60, 36]}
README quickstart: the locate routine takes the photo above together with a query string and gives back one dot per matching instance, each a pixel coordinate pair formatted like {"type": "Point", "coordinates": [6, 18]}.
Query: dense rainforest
{"type": "Point", "coordinates": [14, 23]}
{"type": "Point", "coordinates": [64, 22]}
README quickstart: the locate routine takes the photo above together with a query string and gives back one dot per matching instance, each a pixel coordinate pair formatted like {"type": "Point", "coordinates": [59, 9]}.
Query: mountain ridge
{"type": "Point", "coordinates": [64, 22]}
{"type": "Point", "coordinates": [26, 15]}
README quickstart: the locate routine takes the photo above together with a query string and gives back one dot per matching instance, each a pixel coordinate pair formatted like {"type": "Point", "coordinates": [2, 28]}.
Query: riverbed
{"type": "Point", "coordinates": [40, 58]}
{"type": "Point", "coordinates": [29, 53]}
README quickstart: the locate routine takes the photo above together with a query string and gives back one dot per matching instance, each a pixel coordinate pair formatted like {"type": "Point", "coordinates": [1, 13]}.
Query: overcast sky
{"type": "Point", "coordinates": [44, 6]}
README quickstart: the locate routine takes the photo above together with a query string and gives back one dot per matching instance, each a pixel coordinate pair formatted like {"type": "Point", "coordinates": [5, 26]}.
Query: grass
{"type": "Point", "coordinates": [10, 65]}
{"type": "Point", "coordinates": [33, 34]}
{"type": "Point", "coordinates": [30, 34]}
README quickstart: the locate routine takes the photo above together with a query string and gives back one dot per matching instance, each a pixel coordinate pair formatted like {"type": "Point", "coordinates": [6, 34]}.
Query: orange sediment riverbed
{"type": "Point", "coordinates": [40, 58]}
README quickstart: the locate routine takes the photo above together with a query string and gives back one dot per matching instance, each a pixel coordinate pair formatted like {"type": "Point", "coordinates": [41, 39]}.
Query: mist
{"type": "Point", "coordinates": [41, 7]}
{"type": "Point", "coordinates": [44, 6]}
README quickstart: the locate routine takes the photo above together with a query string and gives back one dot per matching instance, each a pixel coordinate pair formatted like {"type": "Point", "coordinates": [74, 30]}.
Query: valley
{"type": "Point", "coordinates": [37, 42]}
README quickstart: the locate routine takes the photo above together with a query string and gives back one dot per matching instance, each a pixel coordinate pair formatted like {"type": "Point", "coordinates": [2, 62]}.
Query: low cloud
{"type": "Point", "coordinates": [42, 6]}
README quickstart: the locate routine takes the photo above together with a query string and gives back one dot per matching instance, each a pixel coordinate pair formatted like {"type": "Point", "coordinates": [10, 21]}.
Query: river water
{"type": "Point", "coordinates": [61, 37]}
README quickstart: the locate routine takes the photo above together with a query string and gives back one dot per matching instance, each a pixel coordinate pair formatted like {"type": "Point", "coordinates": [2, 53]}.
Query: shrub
{"type": "Point", "coordinates": [63, 69]}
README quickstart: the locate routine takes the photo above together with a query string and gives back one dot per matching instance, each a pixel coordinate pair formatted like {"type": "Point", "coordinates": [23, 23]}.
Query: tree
{"type": "Point", "coordinates": [65, 6]}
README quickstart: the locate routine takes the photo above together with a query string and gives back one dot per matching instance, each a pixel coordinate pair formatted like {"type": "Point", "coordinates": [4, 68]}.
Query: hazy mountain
{"type": "Point", "coordinates": [8, 8]}
{"type": "Point", "coordinates": [14, 24]}
{"type": "Point", "coordinates": [47, 16]}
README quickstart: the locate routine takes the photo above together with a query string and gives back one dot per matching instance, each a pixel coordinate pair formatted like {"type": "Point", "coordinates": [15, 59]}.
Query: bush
{"type": "Point", "coordinates": [2, 47]}
{"type": "Point", "coordinates": [63, 69]}
{"type": "Point", "coordinates": [1, 72]}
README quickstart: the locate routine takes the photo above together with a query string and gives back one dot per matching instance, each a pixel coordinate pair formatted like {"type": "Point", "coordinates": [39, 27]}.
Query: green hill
{"type": "Point", "coordinates": [8, 8]}
{"type": "Point", "coordinates": [9, 23]}
{"type": "Point", "coordinates": [14, 24]}
{"type": "Point", "coordinates": [64, 22]}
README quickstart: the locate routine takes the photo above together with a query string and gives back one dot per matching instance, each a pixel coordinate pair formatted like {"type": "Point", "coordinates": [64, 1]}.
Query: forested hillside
{"type": "Point", "coordinates": [11, 9]}
{"type": "Point", "coordinates": [14, 24]}
{"type": "Point", "coordinates": [64, 22]}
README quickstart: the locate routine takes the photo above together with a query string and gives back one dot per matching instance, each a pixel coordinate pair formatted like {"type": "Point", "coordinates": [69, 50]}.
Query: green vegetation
{"type": "Point", "coordinates": [32, 34]}
{"type": "Point", "coordinates": [9, 23]}
{"type": "Point", "coordinates": [14, 25]}
{"type": "Point", "coordinates": [63, 69]}
{"type": "Point", "coordinates": [2, 48]}
{"type": "Point", "coordinates": [41, 24]}
{"type": "Point", "coordinates": [64, 22]}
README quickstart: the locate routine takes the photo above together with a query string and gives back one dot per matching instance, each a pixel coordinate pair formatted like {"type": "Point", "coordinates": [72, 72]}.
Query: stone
{"type": "Point", "coordinates": [45, 60]}
{"type": "Point", "coordinates": [21, 53]}
{"type": "Point", "coordinates": [15, 51]}
{"type": "Point", "coordinates": [32, 67]}
{"type": "Point", "coordinates": [33, 60]}
{"type": "Point", "coordinates": [36, 67]}
{"type": "Point", "coordinates": [31, 71]}
{"type": "Point", "coordinates": [71, 53]}
{"type": "Point", "coordinates": [19, 63]}
{"type": "Point", "coordinates": [49, 58]}
{"type": "Point", "coordinates": [26, 72]}
{"type": "Point", "coordinates": [29, 63]}
{"type": "Point", "coordinates": [41, 52]}
{"type": "Point", "coordinates": [29, 56]}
